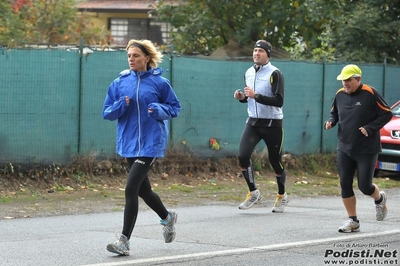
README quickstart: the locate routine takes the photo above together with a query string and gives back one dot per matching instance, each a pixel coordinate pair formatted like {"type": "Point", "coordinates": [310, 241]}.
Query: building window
{"type": "Point", "coordinates": [122, 30]}
{"type": "Point", "coordinates": [119, 31]}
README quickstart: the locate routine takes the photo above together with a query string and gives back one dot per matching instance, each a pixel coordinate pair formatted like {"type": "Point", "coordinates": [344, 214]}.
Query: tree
{"type": "Point", "coordinates": [47, 22]}
{"type": "Point", "coordinates": [204, 25]}
{"type": "Point", "coordinates": [10, 27]}
{"type": "Point", "coordinates": [356, 30]}
{"type": "Point", "coordinates": [339, 30]}
{"type": "Point", "coordinates": [368, 32]}
{"type": "Point", "coordinates": [310, 39]}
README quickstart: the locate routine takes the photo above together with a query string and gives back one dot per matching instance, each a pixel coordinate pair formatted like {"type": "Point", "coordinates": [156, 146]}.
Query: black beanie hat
{"type": "Point", "coordinates": [264, 45]}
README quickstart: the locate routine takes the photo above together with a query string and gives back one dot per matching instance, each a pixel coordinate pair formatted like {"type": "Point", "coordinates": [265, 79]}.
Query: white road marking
{"type": "Point", "coordinates": [350, 236]}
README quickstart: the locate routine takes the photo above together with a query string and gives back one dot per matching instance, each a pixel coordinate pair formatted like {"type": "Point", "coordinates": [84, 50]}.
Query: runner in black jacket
{"type": "Point", "coordinates": [360, 112]}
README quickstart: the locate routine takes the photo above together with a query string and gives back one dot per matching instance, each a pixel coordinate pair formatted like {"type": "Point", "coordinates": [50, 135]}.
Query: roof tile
{"type": "Point", "coordinates": [117, 5]}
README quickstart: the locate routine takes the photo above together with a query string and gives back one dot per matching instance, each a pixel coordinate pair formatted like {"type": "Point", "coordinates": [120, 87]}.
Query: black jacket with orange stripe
{"type": "Point", "coordinates": [363, 108]}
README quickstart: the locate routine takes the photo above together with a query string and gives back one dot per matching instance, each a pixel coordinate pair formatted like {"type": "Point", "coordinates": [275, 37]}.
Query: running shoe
{"type": "Point", "coordinates": [169, 228]}
{"type": "Point", "coordinates": [252, 198]}
{"type": "Point", "coordinates": [280, 203]}
{"type": "Point", "coordinates": [350, 226]}
{"type": "Point", "coordinates": [120, 247]}
{"type": "Point", "coordinates": [381, 209]}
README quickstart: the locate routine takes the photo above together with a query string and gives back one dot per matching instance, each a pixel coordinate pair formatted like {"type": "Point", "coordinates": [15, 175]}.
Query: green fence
{"type": "Point", "coordinates": [52, 102]}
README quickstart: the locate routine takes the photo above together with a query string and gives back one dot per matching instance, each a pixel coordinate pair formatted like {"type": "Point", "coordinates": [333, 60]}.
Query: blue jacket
{"type": "Point", "coordinates": [140, 133]}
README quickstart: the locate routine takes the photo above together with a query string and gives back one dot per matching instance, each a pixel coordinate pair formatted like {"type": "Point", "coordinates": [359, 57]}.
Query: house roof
{"type": "Point", "coordinates": [117, 5]}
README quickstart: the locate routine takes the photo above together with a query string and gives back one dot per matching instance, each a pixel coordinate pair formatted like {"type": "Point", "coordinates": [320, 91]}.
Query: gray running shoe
{"type": "Point", "coordinates": [381, 209]}
{"type": "Point", "coordinates": [350, 226]}
{"type": "Point", "coordinates": [169, 228]}
{"type": "Point", "coordinates": [252, 198]}
{"type": "Point", "coordinates": [280, 203]}
{"type": "Point", "coordinates": [120, 247]}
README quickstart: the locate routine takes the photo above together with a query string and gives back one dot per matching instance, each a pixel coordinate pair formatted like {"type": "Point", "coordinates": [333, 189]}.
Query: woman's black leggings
{"type": "Point", "coordinates": [273, 138]}
{"type": "Point", "coordinates": [365, 166]}
{"type": "Point", "coordinates": [138, 185]}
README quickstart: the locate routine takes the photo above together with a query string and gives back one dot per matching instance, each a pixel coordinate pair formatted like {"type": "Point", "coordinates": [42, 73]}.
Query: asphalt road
{"type": "Point", "coordinates": [305, 234]}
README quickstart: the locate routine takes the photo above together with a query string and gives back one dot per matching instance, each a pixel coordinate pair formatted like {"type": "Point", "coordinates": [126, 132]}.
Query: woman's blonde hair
{"type": "Point", "coordinates": [148, 48]}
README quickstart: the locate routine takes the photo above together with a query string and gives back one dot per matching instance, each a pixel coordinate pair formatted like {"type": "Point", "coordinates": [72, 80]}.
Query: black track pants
{"type": "Point", "coordinates": [348, 164]}
{"type": "Point", "coordinates": [138, 185]}
{"type": "Point", "coordinates": [273, 138]}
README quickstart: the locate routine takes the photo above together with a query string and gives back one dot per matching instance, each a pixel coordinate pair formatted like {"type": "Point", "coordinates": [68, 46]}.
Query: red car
{"type": "Point", "coordinates": [389, 158]}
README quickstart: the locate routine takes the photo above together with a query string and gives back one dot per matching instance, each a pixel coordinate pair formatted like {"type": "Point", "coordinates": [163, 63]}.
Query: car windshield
{"type": "Point", "coordinates": [396, 110]}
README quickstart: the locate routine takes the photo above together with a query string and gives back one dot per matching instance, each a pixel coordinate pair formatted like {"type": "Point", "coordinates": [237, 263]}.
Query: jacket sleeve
{"type": "Point", "coordinates": [277, 84]}
{"type": "Point", "coordinates": [169, 105]}
{"type": "Point", "coordinates": [245, 97]}
{"type": "Point", "coordinates": [114, 105]}
{"type": "Point", "coordinates": [384, 114]}
{"type": "Point", "coordinates": [333, 117]}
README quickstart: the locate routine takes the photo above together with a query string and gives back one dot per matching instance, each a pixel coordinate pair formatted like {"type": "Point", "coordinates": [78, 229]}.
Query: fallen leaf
{"type": "Point", "coordinates": [164, 176]}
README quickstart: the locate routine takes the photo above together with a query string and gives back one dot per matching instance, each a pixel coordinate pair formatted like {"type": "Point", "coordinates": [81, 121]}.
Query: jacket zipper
{"type": "Point", "coordinates": [255, 102]}
{"type": "Point", "coordinates": [138, 108]}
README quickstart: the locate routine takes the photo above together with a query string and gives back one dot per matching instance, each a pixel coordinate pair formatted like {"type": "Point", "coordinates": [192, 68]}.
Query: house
{"type": "Point", "coordinates": [137, 19]}
{"type": "Point", "coordinates": [127, 19]}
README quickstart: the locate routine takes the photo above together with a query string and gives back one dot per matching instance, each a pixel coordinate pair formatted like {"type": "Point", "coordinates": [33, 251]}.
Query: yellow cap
{"type": "Point", "coordinates": [349, 71]}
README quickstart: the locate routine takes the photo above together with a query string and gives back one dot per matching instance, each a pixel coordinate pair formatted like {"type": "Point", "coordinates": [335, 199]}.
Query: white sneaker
{"type": "Point", "coordinates": [120, 247]}
{"type": "Point", "coordinates": [280, 203]}
{"type": "Point", "coordinates": [169, 226]}
{"type": "Point", "coordinates": [381, 209]}
{"type": "Point", "coordinates": [350, 226]}
{"type": "Point", "coordinates": [252, 198]}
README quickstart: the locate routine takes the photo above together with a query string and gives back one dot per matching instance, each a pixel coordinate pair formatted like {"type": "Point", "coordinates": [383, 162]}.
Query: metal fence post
{"type": "Point", "coordinates": [80, 95]}
{"type": "Point", "coordinates": [384, 78]}
{"type": "Point", "coordinates": [322, 103]}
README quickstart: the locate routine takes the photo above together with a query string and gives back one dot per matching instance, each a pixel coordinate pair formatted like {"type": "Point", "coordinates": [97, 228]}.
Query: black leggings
{"type": "Point", "coordinates": [365, 166]}
{"type": "Point", "coordinates": [273, 138]}
{"type": "Point", "coordinates": [138, 185]}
